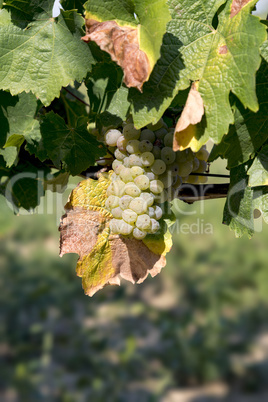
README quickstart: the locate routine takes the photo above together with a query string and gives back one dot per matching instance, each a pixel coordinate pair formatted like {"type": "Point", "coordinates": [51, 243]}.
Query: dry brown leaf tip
{"type": "Point", "coordinates": [122, 44]}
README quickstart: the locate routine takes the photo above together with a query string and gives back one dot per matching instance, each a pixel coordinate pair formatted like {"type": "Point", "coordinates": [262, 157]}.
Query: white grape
{"type": "Point", "coordinates": [111, 137]}
{"type": "Point", "coordinates": [151, 175]}
{"type": "Point", "coordinates": [158, 167]}
{"type": "Point", "coordinates": [148, 197]}
{"type": "Point", "coordinates": [120, 155]}
{"type": "Point", "coordinates": [135, 160]}
{"type": "Point", "coordinates": [129, 216]}
{"type": "Point", "coordinates": [132, 190]}
{"type": "Point", "coordinates": [157, 212]}
{"type": "Point", "coordinates": [156, 126]}
{"type": "Point", "coordinates": [147, 158]}
{"type": "Point", "coordinates": [115, 225]}
{"type": "Point", "coordinates": [130, 132]}
{"type": "Point", "coordinates": [133, 146]}
{"type": "Point", "coordinates": [161, 133]}
{"type": "Point", "coordinates": [117, 212]}
{"type": "Point", "coordinates": [125, 228]}
{"type": "Point", "coordinates": [142, 182]}
{"type": "Point", "coordinates": [185, 168]}
{"type": "Point", "coordinates": [138, 205]}
{"type": "Point", "coordinates": [112, 202]}
{"type": "Point", "coordinates": [196, 164]}
{"type": "Point", "coordinates": [202, 154]}
{"type": "Point", "coordinates": [166, 178]}
{"type": "Point", "coordinates": [126, 161]}
{"type": "Point", "coordinates": [117, 188]}
{"type": "Point", "coordinates": [155, 226]}
{"type": "Point", "coordinates": [202, 167]}
{"type": "Point", "coordinates": [122, 143]}
{"type": "Point", "coordinates": [139, 234]}
{"type": "Point", "coordinates": [126, 175]}
{"type": "Point", "coordinates": [156, 186]}
{"type": "Point", "coordinates": [143, 222]}
{"type": "Point", "coordinates": [136, 171]}
{"type": "Point", "coordinates": [125, 201]}
{"type": "Point", "coordinates": [117, 166]}
{"type": "Point", "coordinates": [156, 151]}
{"type": "Point", "coordinates": [192, 179]}
{"type": "Point", "coordinates": [174, 168]}
{"type": "Point", "coordinates": [202, 179]}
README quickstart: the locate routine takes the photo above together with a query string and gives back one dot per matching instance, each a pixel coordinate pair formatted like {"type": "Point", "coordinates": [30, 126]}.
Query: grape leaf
{"type": "Point", "coordinates": [20, 124]}
{"type": "Point", "coordinates": [222, 60]}
{"type": "Point", "coordinates": [130, 31]}
{"type": "Point", "coordinates": [250, 130]}
{"type": "Point", "coordinates": [238, 209]}
{"type": "Point", "coordinates": [73, 5]}
{"type": "Point", "coordinates": [260, 201]}
{"type": "Point", "coordinates": [74, 146]}
{"type": "Point", "coordinates": [258, 172]}
{"type": "Point", "coordinates": [49, 53]}
{"type": "Point", "coordinates": [104, 257]}
{"type": "Point", "coordinates": [264, 50]}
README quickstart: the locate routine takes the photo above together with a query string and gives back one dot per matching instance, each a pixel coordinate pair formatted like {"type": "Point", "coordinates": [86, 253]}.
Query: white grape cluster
{"type": "Point", "coordinates": [147, 172]}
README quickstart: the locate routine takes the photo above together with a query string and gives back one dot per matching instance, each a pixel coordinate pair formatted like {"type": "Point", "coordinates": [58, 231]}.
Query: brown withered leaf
{"type": "Point", "coordinates": [236, 6]}
{"type": "Point", "coordinates": [184, 134]}
{"type": "Point", "coordinates": [123, 46]}
{"type": "Point", "coordinates": [104, 257]}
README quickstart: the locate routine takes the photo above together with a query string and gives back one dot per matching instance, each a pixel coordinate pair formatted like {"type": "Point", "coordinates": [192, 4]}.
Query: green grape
{"type": "Point", "coordinates": [126, 175]}
{"type": "Point", "coordinates": [202, 154]}
{"type": "Point", "coordinates": [135, 160]}
{"type": "Point", "coordinates": [125, 201]}
{"type": "Point", "coordinates": [138, 205]}
{"type": "Point", "coordinates": [126, 161]}
{"type": "Point", "coordinates": [156, 186]}
{"type": "Point", "coordinates": [143, 222]}
{"type": "Point", "coordinates": [196, 164]}
{"type": "Point", "coordinates": [148, 197]}
{"type": "Point", "coordinates": [156, 151]}
{"type": "Point", "coordinates": [125, 228]}
{"type": "Point", "coordinates": [130, 132]}
{"type": "Point", "coordinates": [202, 167]}
{"type": "Point", "coordinates": [166, 178]}
{"type": "Point", "coordinates": [136, 171]}
{"type": "Point", "coordinates": [145, 146]}
{"type": "Point", "coordinates": [161, 133]}
{"type": "Point", "coordinates": [185, 168]}
{"type": "Point", "coordinates": [154, 226]}
{"type": "Point", "coordinates": [112, 202]}
{"type": "Point", "coordinates": [168, 140]}
{"type": "Point", "coordinates": [162, 197]}
{"type": "Point", "coordinates": [147, 158]}
{"type": "Point", "coordinates": [133, 146]}
{"type": "Point", "coordinates": [117, 212]}
{"type": "Point", "coordinates": [119, 154]}
{"type": "Point", "coordinates": [151, 212]}
{"type": "Point", "coordinates": [192, 179]}
{"type": "Point", "coordinates": [142, 182]}
{"type": "Point", "coordinates": [156, 126]}
{"type": "Point", "coordinates": [129, 216]}
{"type": "Point", "coordinates": [117, 166]}
{"type": "Point", "coordinates": [158, 167]}
{"type": "Point", "coordinates": [132, 190]}
{"type": "Point", "coordinates": [168, 155]}
{"type": "Point", "coordinates": [174, 168]}
{"type": "Point", "coordinates": [178, 182]}
{"type": "Point", "coordinates": [202, 179]}
{"type": "Point", "coordinates": [148, 135]}
{"type": "Point", "coordinates": [122, 143]}
{"type": "Point", "coordinates": [139, 234]}
{"type": "Point", "coordinates": [111, 137]}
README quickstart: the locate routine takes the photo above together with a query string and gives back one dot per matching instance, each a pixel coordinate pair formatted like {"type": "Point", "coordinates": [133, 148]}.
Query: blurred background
{"type": "Point", "coordinates": [198, 332]}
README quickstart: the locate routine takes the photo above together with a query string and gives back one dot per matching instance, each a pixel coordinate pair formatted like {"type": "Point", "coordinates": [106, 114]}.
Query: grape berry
{"type": "Point", "coordinates": [147, 172]}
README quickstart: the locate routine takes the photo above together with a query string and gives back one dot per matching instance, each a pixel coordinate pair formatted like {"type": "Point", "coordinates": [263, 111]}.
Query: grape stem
{"type": "Point", "coordinates": [75, 96]}
{"type": "Point", "coordinates": [225, 176]}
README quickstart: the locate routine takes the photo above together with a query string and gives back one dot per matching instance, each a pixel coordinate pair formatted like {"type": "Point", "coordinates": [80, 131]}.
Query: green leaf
{"type": "Point", "coordinates": [238, 210]}
{"type": "Point", "coordinates": [44, 56]}
{"type": "Point", "coordinates": [10, 155]}
{"type": "Point", "coordinates": [250, 130]}
{"type": "Point", "coordinates": [74, 147]}
{"type": "Point", "coordinates": [260, 201]}
{"type": "Point", "coordinates": [73, 5]}
{"type": "Point", "coordinates": [221, 60]}
{"type": "Point", "coordinates": [258, 172]}
{"type": "Point", "coordinates": [264, 50]}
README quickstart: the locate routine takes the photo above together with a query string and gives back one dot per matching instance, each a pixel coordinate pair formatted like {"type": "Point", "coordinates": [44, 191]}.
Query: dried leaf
{"type": "Point", "coordinates": [184, 135]}
{"type": "Point", "coordinates": [122, 44]}
{"type": "Point", "coordinates": [104, 257]}
{"type": "Point", "coordinates": [236, 6]}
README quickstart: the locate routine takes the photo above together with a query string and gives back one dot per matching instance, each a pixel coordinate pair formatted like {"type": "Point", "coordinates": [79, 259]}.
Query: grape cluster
{"type": "Point", "coordinates": [147, 172]}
